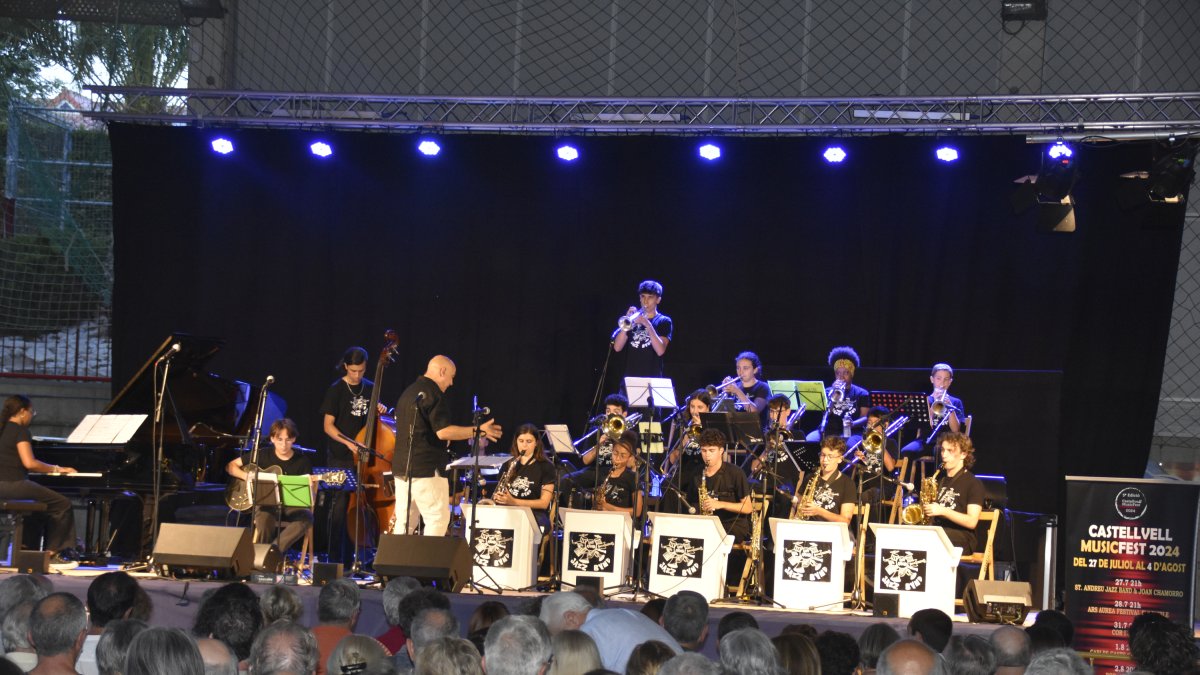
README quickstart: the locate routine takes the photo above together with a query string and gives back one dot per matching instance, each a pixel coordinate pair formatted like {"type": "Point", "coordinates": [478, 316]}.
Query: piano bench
{"type": "Point", "coordinates": [13, 512]}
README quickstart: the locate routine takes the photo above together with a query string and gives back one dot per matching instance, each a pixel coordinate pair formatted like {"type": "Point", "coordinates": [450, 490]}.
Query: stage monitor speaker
{"type": "Point", "coordinates": [887, 604]}
{"type": "Point", "coordinates": [31, 562]}
{"type": "Point", "coordinates": [203, 550]}
{"type": "Point", "coordinates": [267, 559]}
{"type": "Point", "coordinates": [444, 561]}
{"type": "Point", "coordinates": [323, 573]}
{"type": "Point", "coordinates": [997, 601]}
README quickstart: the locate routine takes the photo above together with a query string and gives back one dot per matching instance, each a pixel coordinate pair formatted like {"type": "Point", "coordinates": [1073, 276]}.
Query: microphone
{"type": "Point", "coordinates": [175, 349]}
{"type": "Point", "coordinates": [691, 509]}
{"type": "Point", "coordinates": [420, 396]}
{"type": "Point", "coordinates": [484, 411]}
{"type": "Point", "coordinates": [270, 381]}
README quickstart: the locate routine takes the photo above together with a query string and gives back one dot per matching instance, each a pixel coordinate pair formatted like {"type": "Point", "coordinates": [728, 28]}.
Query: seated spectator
{"type": "Point", "coordinates": [110, 596]}
{"type": "Point", "coordinates": [685, 617]}
{"type": "Point", "coordinates": [690, 663]}
{"type": "Point", "coordinates": [1056, 620]}
{"type": "Point", "coordinates": [1042, 638]}
{"type": "Point", "coordinates": [800, 629]}
{"type": "Point", "coordinates": [284, 647]}
{"type": "Point", "coordinates": [797, 654]}
{"type": "Point", "coordinates": [876, 638]}
{"type": "Point", "coordinates": [931, 626]}
{"type": "Point", "coordinates": [748, 651]}
{"type": "Point", "coordinates": [909, 656]}
{"type": "Point", "coordinates": [113, 646]}
{"type": "Point", "coordinates": [395, 591]}
{"type": "Point", "coordinates": [1011, 645]}
{"type": "Point", "coordinates": [839, 653]}
{"type": "Point", "coordinates": [429, 625]}
{"type": "Point", "coordinates": [482, 619]}
{"type": "Point", "coordinates": [408, 608]}
{"type": "Point", "coordinates": [57, 626]}
{"type": "Point", "coordinates": [218, 658]}
{"type": "Point", "coordinates": [734, 621]}
{"type": "Point", "coordinates": [1164, 647]}
{"type": "Point", "coordinates": [159, 650]}
{"type": "Point", "coordinates": [574, 652]}
{"type": "Point", "coordinates": [449, 656]}
{"type": "Point", "coordinates": [654, 608]}
{"type": "Point", "coordinates": [356, 654]}
{"type": "Point", "coordinates": [1058, 661]}
{"type": "Point", "coordinates": [648, 657]}
{"type": "Point", "coordinates": [517, 645]}
{"type": "Point", "coordinates": [280, 603]}
{"type": "Point", "coordinates": [969, 655]}
{"type": "Point", "coordinates": [14, 631]}
{"type": "Point", "coordinates": [20, 588]}
{"type": "Point", "coordinates": [616, 631]}
{"type": "Point", "coordinates": [338, 607]}
{"type": "Point", "coordinates": [231, 614]}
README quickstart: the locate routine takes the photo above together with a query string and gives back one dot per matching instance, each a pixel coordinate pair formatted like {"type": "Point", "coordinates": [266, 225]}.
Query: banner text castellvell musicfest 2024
{"type": "Point", "coordinates": [1129, 546]}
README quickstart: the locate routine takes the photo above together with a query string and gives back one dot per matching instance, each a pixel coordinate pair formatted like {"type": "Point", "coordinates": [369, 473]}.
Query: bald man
{"type": "Point", "coordinates": [909, 657]}
{"type": "Point", "coordinates": [424, 409]}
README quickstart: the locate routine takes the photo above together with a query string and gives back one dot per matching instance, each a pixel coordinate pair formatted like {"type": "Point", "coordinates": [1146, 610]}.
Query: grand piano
{"type": "Point", "coordinates": [205, 417]}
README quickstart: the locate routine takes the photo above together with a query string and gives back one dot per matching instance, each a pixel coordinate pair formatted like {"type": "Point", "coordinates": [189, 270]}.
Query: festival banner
{"type": "Point", "coordinates": [1130, 547]}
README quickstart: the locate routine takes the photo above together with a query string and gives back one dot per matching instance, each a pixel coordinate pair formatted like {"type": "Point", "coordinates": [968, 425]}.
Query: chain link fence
{"type": "Point", "coordinates": [56, 267]}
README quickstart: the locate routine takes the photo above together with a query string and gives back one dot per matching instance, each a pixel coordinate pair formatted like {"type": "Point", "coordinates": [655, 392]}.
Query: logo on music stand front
{"type": "Point", "coordinates": [492, 548]}
{"type": "Point", "coordinates": [680, 556]}
{"type": "Point", "coordinates": [902, 570]}
{"type": "Point", "coordinates": [592, 552]}
{"type": "Point", "coordinates": [807, 560]}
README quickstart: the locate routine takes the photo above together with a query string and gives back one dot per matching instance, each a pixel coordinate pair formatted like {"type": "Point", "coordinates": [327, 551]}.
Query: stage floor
{"type": "Point", "coordinates": [175, 604]}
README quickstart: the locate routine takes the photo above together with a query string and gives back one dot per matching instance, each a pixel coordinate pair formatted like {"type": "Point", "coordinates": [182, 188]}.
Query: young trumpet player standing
{"type": "Point", "coordinates": [646, 332]}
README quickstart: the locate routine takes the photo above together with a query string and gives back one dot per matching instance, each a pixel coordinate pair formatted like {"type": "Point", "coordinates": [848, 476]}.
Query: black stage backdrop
{"type": "Point", "coordinates": [517, 265]}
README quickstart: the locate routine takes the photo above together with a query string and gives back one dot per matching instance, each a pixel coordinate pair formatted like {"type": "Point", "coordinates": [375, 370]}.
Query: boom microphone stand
{"type": "Point", "coordinates": [477, 416]}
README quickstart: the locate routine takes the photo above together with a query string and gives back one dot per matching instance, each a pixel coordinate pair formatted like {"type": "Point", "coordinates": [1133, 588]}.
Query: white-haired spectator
{"type": "Point", "coordinates": [1058, 661]}
{"type": "Point", "coordinates": [449, 656]}
{"type": "Point", "coordinates": [616, 631]}
{"type": "Point", "coordinates": [284, 648]}
{"type": "Point", "coordinates": [690, 664]}
{"type": "Point", "coordinates": [395, 591]}
{"type": "Point", "coordinates": [158, 650]}
{"type": "Point", "coordinates": [57, 626]}
{"type": "Point", "coordinates": [517, 645]}
{"type": "Point", "coordinates": [15, 633]}
{"type": "Point", "coordinates": [113, 646]}
{"type": "Point", "coordinates": [218, 657]}
{"type": "Point", "coordinates": [338, 607]}
{"type": "Point", "coordinates": [748, 651]}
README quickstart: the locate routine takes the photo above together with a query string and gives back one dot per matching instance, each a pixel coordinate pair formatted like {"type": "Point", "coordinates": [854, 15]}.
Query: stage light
{"type": "Point", "coordinates": [1057, 176]}
{"type": "Point", "coordinates": [429, 147]}
{"type": "Point", "coordinates": [1173, 172]}
{"type": "Point", "coordinates": [568, 152]}
{"type": "Point", "coordinates": [1060, 151]}
{"type": "Point", "coordinates": [834, 154]}
{"type": "Point", "coordinates": [321, 149]}
{"type": "Point", "coordinates": [710, 151]}
{"type": "Point", "coordinates": [223, 146]}
{"type": "Point", "coordinates": [947, 153]}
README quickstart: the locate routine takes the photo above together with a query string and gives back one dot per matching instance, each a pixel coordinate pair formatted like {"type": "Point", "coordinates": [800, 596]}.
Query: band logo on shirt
{"type": "Point", "coordinates": [902, 570]}
{"type": "Point", "coordinates": [493, 548]}
{"type": "Point", "coordinates": [680, 556]}
{"type": "Point", "coordinates": [358, 406]}
{"type": "Point", "coordinates": [807, 560]}
{"type": "Point", "coordinates": [592, 552]}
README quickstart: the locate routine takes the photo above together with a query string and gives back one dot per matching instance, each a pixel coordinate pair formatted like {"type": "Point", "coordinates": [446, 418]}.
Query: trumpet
{"type": "Point", "coordinates": [718, 393]}
{"type": "Point", "coordinates": [940, 407]}
{"type": "Point", "coordinates": [837, 391]}
{"type": "Point", "coordinates": [625, 321]}
{"type": "Point", "coordinates": [785, 431]}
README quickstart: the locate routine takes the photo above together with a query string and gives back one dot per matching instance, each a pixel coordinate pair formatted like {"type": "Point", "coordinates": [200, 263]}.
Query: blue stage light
{"type": "Point", "coordinates": [947, 153]}
{"type": "Point", "coordinates": [834, 154]}
{"type": "Point", "coordinates": [429, 147]}
{"type": "Point", "coordinates": [568, 152]}
{"type": "Point", "coordinates": [710, 152]}
{"type": "Point", "coordinates": [222, 145]}
{"type": "Point", "coordinates": [321, 149]}
{"type": "Point", "coordinates": [1059, 150]}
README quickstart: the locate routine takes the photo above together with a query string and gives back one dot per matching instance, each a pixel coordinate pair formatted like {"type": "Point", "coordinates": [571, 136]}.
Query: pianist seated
{"type": "Point", "coordinates": [281, 454]}
{"type": "Point", "coordinates": [16, 462]}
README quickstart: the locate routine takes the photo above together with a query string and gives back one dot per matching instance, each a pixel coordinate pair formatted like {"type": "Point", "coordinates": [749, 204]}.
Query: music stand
{"type": "Point", "coordinates": [296, 491]}
{"type": "Point", "coordinates": [649, 393]}
{"type": "Point", "coordinates": [911, 403]}
{"type": "Point", "coordinates": [808, 392]}
{"type": "Point", "coordinates": [560, 439]}
{"type": "Point", "coordinates": [740, 428]}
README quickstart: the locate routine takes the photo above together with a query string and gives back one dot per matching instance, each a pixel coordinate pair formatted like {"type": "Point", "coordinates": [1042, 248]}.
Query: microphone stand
{"type": "Point", "coordinates": [156, 443]}
{"type": "Point", "coordinates": [362, 456]}
{"type": "Point", "coordinates": [476, 432]}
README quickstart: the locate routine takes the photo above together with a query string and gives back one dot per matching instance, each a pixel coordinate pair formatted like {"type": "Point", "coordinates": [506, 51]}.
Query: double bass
{"type": "Point", "coordinates": [379, 437]}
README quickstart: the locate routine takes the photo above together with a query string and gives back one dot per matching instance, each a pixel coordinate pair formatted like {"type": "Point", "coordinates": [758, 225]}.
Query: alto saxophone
{"type": "Point", "coordinates": [598, 502]}
{"type": "Point", "coordinates": [504, 483]}
{"type": "Point", "coordinates": [810, 491]}
{"type": "Point", "coordinates": [702, 495]}
{"type": "Point", "coordinates": [914, 514]}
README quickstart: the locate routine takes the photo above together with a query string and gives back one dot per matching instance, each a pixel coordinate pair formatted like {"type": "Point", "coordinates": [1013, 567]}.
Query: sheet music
{"type": "Point", "coordinates": [639, 389]}
{"type": "Point", "coordinates": [560, 439]}
{"type": "Point", "coordinates": [106, 428]}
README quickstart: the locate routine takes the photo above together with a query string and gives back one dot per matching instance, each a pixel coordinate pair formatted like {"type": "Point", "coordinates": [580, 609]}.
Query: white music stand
{"type": "Point", "coordinates": [506, 545]}
{"type": "Point", "coordinates": [688, 553]}
{"type": "Point", "coordinates": [560, 439]}
{"type": "Point", "coordinates": [918, 563]}
{"type": "Point", "coordinates": [595, 544]}
{"type": "Point", "coordinates": [810, 563]}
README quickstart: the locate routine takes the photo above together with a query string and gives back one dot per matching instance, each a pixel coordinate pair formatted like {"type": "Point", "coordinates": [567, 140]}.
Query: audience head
{"type": "Point", "coordinates": [232, 614]}
{"type": "Point", "coordinates": [112, 596]}
{"type": "Point", "coordinates": [1042, 638]}
{"type": "Point", "coordinates": [800, 629]}
{"type": "Point", "coordinates": [160, 650]}
{"type": "Point", "coordinates": [1055, 619]}
{"type": "Point", "coordinates": [395, 591]}
{"type": "Point", "coordinates": [429, 625]}
{"type": "Point", "coordinates": [517, 645]}
{"type": "Point", "coordinates": [449, 656]}
{"type": "Point", "coordinates": [1141, 621]}
{"type": "Point", "coordinates": [748, 651]}
{"type": "Point", "coordinates": [653, 609]}
{"type": "Point", "coordinates": [14, 630]}
{"type": "Point", "coordinates": [685, 618]}
{"type": "Point", "coordinates": [563, 611]}
{"type": "Point", "coordinates": [839, 653]}
{"type": "Point", "coordinates": [283, 648]}
{"type": "Point", "coordinates": [218, 658]}
{"type": "Point", "coordinates": [415, 602]}
{"type": "Point", "coordinates": [648, 658]}
{"type": "Point", "coordinates": [113, 646]}
{"type": "Point", "coordinates": [1058, 661]}
{"type": "Point", "coordinates": [969, 655]}
{"type": "Point", "coordinates": [57, 623]}
{"type": "Point", "coordinates": [21, 588]}
{"type": "Point", "coordinates": [574, 652]}
{"type": "Point", "coordinates": [1011, 645]}
{"type": "Point", "coordinates": [280, 603]}
{"type": "Point", "coordinates": [339, 603]}
{"type": "Point", "coordinates": [485, 615]}
{"type": "Point", "coordinates": [876, 638]}
{"type": "Point", "coordinates": [734, 621]}
{"type": "Point", "coordinates": [931, 626]}
{"type": "Point", "coordinates": [355, 654]}
{"type": "Point", "coordinates": [797, 654]}
{"type": "Point", "coordinates": [1163, 647]}
{"type": "Point", "coordinates": [690, 663]}
{"type": "Point", "coordinates": [909, 657]}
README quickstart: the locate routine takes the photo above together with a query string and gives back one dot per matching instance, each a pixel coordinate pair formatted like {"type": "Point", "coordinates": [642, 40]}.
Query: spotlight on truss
{"type": "Point", "coordinates": [1049, 191]}
{"type": "Point", "coordinates": [710, 151]}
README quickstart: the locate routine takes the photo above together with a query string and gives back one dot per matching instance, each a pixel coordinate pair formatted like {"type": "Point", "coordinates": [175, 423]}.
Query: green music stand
{"type": "Point", "coordinates": [810, 393]}
{"type": "Point", "coordinates": [296, 490]}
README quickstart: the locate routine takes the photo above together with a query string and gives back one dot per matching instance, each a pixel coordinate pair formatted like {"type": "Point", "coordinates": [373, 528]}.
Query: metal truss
{"type": "Point", "coordinates": [1068, 116]}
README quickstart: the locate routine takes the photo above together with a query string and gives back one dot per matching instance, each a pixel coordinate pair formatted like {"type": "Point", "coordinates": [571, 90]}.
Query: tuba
{"type": "Point", "coordinates": [914, 514]}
